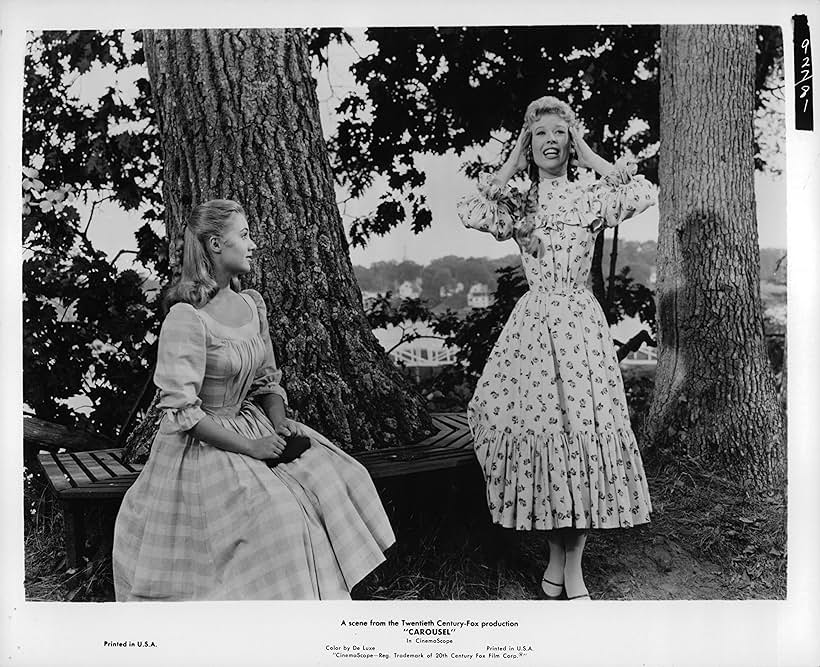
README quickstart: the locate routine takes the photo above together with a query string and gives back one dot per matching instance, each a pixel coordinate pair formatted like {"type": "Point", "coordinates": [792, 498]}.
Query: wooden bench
{"type": "Point", "coordinates": [81, 478]}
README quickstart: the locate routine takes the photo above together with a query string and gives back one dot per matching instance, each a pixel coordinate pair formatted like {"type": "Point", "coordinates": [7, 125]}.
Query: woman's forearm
{"type": "Point", "coordinates": [274, 407]}
{"type": "Point", "coordinates": [207, 430]}
{"type": "Point", "coordinates": [599, 165]}
{"type": "Point", "coordinates": [503, 175]}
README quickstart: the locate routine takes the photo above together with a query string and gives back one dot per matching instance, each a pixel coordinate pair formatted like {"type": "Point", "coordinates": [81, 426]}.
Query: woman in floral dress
{"type": "Point", "coordinates": [549, 416]}
{"type": "Point", "coordinates": [207, 518]}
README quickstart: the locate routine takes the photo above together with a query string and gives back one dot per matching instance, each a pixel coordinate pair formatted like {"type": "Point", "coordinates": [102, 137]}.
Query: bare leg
{"type": "Point", "coordinates": [553, 580]}
{"type": "Point", "coordinates": [574, 541]}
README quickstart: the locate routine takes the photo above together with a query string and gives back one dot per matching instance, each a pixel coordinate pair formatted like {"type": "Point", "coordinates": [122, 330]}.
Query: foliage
{"type": "Point", "coordinates": [386, 276]}
{"type": "Point", "coordinates": [436, 90]}
{"type": "Point", "coordinates": [631, 299]}
{"type": "Point", "coordinates": [385, 311]}
{"type": "Point", "coordinates": [87, 324]}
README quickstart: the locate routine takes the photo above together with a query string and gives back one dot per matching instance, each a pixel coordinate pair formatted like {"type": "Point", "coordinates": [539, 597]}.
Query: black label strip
{"type": "Point", "coordinates": [803, 75]}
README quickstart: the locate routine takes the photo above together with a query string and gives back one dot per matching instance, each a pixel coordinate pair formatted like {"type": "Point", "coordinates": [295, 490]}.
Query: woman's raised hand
{"type": "Point", "coordinates": [585, 156]}
{"type": "Point", "coordinates": [517, 159]}
{"type": "Point", "coordinates": [583, 153]}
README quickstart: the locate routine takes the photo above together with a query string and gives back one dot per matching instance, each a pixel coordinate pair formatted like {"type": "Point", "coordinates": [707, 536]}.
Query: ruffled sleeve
{"type": "Point", "coordinates": [618, 196]}
{"type": "Point", "coordinates": [268, 377]}
{"type": "Point", "coordinates": [181, 355]}
{"type": "Point", "coordinates": [494, 209]}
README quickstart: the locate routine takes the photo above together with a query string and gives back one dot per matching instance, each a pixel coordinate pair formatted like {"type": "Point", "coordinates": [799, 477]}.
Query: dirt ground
{"type": "Point", "coordinates": [708, 540]}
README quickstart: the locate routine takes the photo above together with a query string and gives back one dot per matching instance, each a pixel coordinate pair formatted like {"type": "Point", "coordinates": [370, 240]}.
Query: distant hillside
{"type": "Point", "coordinates": [443, 275]}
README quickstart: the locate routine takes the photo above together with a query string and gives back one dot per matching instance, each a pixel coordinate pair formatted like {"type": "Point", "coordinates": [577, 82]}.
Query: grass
{"type": "Point", "coordinates": [708, 539]}
{"type": "Point", "coordinates": [47, 576]}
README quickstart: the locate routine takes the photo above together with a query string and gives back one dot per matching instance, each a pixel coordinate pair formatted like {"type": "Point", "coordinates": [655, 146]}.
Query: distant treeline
{"type": "Point", "coordinates": [447, 272]}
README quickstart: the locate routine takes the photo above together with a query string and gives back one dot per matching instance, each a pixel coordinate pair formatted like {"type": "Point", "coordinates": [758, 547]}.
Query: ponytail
{"type": "Point", "coordinates": [191, 265]}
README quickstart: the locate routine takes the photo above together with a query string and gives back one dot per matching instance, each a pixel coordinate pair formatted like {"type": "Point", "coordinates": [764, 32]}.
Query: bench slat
{"type": "Point", "coordinates": [58, 479]}
{"type": "Point", "coordinates": [74, 471]}
{"type": "Point", "coordinates": [112, 461]}
{"type": "Point", "coordinates": [102, 474]}
{"type": "Point", "coordinates": [93, 466]}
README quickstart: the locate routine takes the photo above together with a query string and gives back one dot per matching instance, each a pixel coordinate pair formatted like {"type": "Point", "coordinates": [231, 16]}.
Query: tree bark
{"type": "Point", "coordinates": [239, 119]}
{"type": "Point", "coordinates": [714, 394]}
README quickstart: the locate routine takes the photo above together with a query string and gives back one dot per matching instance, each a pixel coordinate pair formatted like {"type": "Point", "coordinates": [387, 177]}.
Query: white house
{"type": "Point", "coordinates": [445, 292]}
{"type": "Point", "coordinates": [410, 290]}
{"type": "Point", "coordinates": [479, 296]}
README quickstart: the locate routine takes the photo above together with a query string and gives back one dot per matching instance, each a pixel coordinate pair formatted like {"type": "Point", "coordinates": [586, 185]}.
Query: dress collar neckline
{"type": "Point", "coordinates": [553, 181]}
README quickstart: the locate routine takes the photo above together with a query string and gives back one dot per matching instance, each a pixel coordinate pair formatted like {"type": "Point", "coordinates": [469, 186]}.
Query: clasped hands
{"type": "Point", "coordinates": [271, 446]}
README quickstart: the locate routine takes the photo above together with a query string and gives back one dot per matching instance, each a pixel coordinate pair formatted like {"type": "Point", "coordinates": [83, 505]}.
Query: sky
{"type": "Point", "coordinates": [113, 228]}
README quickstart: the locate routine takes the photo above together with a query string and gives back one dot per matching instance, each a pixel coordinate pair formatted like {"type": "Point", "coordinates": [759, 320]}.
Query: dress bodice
{"type": "Point", "coordinates": [563, 260]}
{"type": "Point", "coordinates": [207, 367]}
{"type": "Point", "coordinates": [566, 219]}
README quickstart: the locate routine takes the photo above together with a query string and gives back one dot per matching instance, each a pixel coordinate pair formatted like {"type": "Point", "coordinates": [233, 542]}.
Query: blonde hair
{"type": "Point", "coordinates": [193, 280]}
{"type": "Point", "coordinates": [535, 110]}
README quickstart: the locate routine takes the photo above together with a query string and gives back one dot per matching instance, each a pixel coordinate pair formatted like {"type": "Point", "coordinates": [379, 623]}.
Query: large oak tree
{"type": "Point", "coordinates": [238, 118]}
{"type": "Point", "coordinates": [714, 392]}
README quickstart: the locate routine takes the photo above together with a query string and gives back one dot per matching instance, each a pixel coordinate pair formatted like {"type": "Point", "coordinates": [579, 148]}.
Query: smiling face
{"type": "Point", "coordinates": [236, 246]}
{"type": "Point", "coordinates": [550, 145]}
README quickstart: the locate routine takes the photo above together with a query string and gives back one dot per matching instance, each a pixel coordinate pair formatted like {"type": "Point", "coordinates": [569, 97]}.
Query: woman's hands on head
{"type": "Point", "coordinates": [585, 157]}
{"type": "Point", "coordinates": [518, 158]}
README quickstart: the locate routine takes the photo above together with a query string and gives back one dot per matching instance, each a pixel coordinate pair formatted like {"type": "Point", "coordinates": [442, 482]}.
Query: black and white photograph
{"type": "Point", "coordinates": [410, 317]}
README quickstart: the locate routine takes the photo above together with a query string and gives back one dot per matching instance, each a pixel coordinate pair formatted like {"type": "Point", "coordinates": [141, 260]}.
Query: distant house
{"type": "Point", "coordinates": [410, 290]}
{"type": "Point", "coordinates": [479, 296]}
{"type": "Point", "coordinates": [448, 291]}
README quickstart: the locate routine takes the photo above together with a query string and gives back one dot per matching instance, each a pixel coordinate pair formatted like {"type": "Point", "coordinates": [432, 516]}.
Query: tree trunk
{"type": "Point", "coordinates": [714, 394]}
{"type": "Point", "coordinates": [239, 119]}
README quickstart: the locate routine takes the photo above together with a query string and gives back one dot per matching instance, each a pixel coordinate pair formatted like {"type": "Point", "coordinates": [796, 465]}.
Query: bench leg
{"type": "Point", "coordinates": [74, 533]}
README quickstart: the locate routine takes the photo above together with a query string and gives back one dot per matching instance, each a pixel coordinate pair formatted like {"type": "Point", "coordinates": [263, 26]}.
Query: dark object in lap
{"type": "Point", "coordinates": [295, 446]}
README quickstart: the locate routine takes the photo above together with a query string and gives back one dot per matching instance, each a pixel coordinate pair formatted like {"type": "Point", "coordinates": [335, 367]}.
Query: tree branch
{"type": "Point", "coordinates": [91, 214]}
{"type": "Point", "coordinates": [122, 252]}
{"type": "Point", "coordinates": [634, 344]}
{"type": "Point", "coordinates": [413, 338]}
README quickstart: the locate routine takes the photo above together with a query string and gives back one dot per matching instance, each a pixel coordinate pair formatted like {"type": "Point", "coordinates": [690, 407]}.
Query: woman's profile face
{"type": "Point", "coordinates": [237, 245]}
{"type": "Point", "coordinates": [550, 144]}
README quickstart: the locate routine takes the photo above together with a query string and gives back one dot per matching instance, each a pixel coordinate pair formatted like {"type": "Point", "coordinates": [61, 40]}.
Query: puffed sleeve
{"type": "Point", "coordinates": [268, 376]}
{"type": "Point", "coordinates": [181, 367]}
{"type": "Point", "coordinates": [494, 209]}
{"type": "Point", "coordinates": [618, 196]}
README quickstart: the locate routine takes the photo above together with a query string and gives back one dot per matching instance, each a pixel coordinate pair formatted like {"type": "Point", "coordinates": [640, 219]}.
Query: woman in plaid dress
{"type": "Point", "coordinates": [549, 415]}
{"type": "Point", "coordinates": [207, 518]}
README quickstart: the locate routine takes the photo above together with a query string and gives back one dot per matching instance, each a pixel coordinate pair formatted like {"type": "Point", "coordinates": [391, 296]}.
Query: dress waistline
{"type": "Point", "coordinates": [560, 291]}
{"type": "Point", "coordinates": [222, 411]}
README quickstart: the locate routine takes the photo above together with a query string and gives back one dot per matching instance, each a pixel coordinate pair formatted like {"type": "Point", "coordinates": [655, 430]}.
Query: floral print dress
{"type": "Point", "coordinates": [549, 416]}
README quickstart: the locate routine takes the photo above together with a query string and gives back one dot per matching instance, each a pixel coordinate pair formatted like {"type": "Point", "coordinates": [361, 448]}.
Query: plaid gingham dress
{"type": "Point", "coordinates": [201, 523]}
